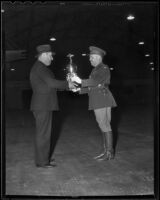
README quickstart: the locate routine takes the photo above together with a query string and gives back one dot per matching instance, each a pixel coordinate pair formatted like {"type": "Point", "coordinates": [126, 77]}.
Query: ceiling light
{"type": "Point", "coordinates": [12, 69]}
{"type": "Point", "coordinates": [62, 3]}
{"type": "Point", "coordinates": [111, 68]}
{"type": "Point", "coordinates": [147, 55]}
{"type": "Point", "coordinates": [130, 17]}
{"type": "Point", "coordinates": [152, 68]}
{"type": "Point", "coordinates": [52, 39]}
{"type": "Point", "coordinates": [84, 54]}
{"type": "Point", "coordinates": [141, 43]}
{"type": "Point", "coordinates": [2, 11]}
{"type": "Point", "coordinates": [151, 63]}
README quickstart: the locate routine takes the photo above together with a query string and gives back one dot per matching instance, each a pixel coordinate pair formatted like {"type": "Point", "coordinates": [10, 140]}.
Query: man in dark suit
{"type": "Point", "coordinates": [101, 99]}
{"type": "Point", "coordinates": [44, 101]}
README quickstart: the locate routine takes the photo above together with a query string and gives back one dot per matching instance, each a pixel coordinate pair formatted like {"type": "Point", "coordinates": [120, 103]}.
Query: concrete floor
{"type": "Point", "coordinates": [77, 173]}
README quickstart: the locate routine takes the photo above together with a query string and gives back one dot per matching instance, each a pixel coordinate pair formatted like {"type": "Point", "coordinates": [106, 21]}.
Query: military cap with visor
{"type": "Point", "coordinates": [97, 50]}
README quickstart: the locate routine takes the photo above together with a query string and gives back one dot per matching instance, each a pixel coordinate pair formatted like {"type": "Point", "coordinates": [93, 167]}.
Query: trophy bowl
{"type": "Point", "coordinates": [71, 69]}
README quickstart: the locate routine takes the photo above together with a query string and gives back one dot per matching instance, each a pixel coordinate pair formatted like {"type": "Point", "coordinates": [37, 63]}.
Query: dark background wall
{"type": "Point", "coordinates": [76, 26]}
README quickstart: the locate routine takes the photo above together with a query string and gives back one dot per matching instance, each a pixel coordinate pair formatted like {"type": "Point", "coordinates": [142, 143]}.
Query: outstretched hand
{"type": "Point", "coordinates": [72, 85]}
{"type": "Point", "coordinates": [76, 79]}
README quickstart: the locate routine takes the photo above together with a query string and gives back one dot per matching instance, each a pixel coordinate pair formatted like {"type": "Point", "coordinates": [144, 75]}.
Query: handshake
{"type": "Point", "coordinates": [74, 83]}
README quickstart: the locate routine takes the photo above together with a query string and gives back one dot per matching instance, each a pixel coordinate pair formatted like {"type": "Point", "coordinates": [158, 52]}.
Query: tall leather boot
{"type": "Point", "coordinates": [109, 153]}
{"type": "Point", "coordinates": [104, 147]}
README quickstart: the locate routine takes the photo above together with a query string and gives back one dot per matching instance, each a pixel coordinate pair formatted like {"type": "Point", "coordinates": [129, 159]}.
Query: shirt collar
{"type": "Point", "coordinates": [99, 66]}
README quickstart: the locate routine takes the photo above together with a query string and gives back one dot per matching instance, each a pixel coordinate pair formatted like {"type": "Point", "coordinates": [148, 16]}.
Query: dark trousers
{"type": "Point", "coordinates": [42, 136]}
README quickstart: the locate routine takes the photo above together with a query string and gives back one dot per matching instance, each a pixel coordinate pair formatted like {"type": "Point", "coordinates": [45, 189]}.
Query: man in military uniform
{"type": "Point", "coordinates": [44, 101]}
{"type": "Point", "coordinates": [101, 99]}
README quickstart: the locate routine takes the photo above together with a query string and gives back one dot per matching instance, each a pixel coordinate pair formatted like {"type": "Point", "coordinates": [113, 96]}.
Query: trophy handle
{"type": "Point", "coordinates": [70, 57]}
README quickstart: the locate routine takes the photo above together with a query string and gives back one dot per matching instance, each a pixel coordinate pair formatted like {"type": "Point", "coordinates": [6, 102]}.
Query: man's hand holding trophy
{"type": "Point", "coordinates": [74, 81]}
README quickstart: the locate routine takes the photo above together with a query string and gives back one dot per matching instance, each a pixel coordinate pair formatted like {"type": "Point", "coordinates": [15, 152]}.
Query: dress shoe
{"type": "Point", "coordinates": [52, 160]}
{"type": "Point", "coordinates": [47, 165]}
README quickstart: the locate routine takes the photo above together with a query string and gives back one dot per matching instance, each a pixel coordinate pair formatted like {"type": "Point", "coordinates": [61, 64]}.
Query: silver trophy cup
{"type": "Point", "coordinates": [71, 68]}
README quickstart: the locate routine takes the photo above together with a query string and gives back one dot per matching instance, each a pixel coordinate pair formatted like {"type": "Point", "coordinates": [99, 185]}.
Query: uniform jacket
{"type": "Point", "coordinates": [97, 87]}
{"type": "Point", "coordinates": [44, 86]}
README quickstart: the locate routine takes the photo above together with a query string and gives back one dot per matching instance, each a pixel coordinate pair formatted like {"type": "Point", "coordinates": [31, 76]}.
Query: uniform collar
{"type": "Point", "coordinates": [41, 63]}
{"type": "Point", "coordinates": [99, 66]}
